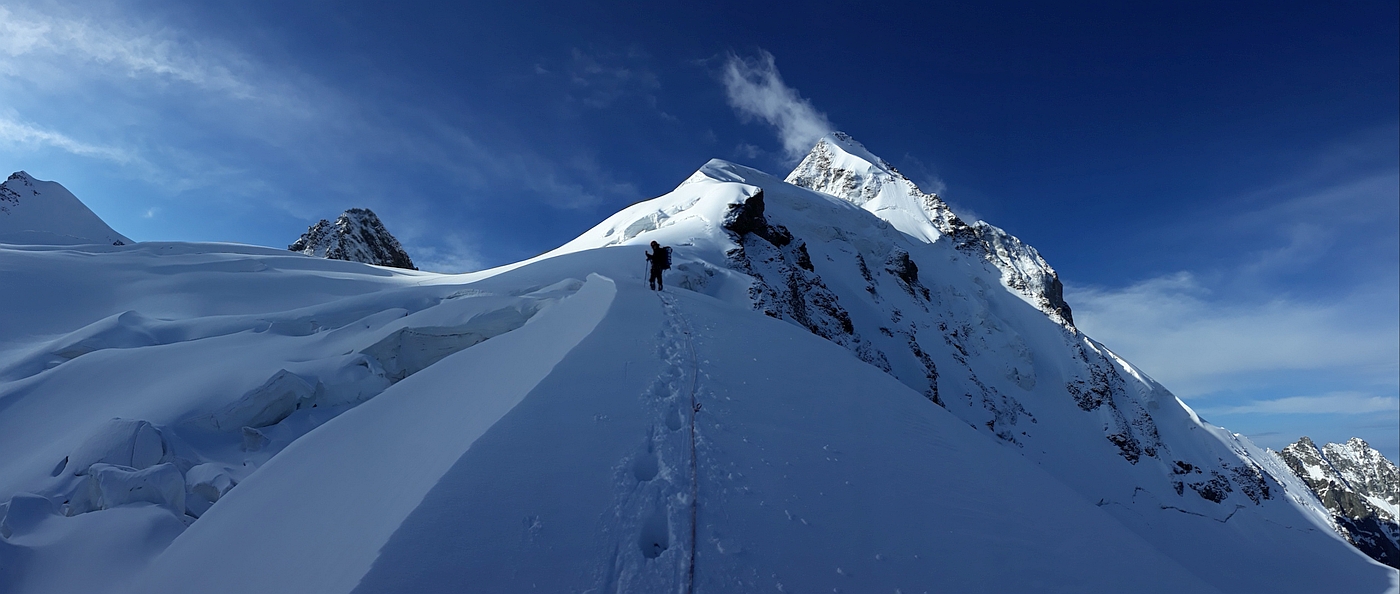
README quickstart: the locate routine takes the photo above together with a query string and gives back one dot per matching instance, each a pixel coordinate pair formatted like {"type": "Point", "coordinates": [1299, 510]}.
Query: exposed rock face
{"type": "Point", "coordinates": [787, 285]}
{"type": "Point", "coordinates": [357, 236]}
{"type": "Point", "coordinates": [841, 167]}
{"type": "Point", "coordinates": [1359, 486]}
{"type": "Point", "coordinates": [1022, 270]}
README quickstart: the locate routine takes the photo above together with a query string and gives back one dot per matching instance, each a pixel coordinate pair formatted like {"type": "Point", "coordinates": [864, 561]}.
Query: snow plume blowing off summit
{"type": "Point", "coordinates": [756, 89]}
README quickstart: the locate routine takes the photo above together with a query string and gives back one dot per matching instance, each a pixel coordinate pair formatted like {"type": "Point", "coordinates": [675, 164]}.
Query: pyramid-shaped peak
{"type": "Point", "coordinates": [357, 235]}
{"type": "Point", "coordinates": [844, 145]}
{"type": "Point", "coordinates": [1358, 443]}
{"type": "Point", "coordinates": [33, 211]}
{"type": "Point", "coordinates": [841, 166]}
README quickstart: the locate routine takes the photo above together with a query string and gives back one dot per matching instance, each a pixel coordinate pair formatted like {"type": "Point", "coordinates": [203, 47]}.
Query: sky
{"type": "Point", "coordinates": [1217, 185]}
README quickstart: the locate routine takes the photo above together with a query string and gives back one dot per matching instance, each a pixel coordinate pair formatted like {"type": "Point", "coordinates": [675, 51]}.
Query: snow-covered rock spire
{"type": "Point", "coordinates": [356, 235]}
{"type": "Point", "coordinates": [840, 166]}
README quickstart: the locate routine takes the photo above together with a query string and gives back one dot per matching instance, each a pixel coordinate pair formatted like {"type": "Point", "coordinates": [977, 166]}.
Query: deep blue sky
{"type": "Point", "coordinates": [1217, 185]}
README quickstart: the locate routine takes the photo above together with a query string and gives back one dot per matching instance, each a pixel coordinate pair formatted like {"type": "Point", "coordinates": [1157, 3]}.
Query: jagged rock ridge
{"type": "Point", "coordinates": [356, 235]}
{"type": "Point", "coordinates": [1359, 486]}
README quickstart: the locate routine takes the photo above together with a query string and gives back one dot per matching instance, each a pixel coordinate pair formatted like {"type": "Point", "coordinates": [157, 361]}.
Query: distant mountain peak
{"type": "Point", "coordinates": [40, 212]}
{"type": "Point", "coordinates": [1359, 486]}
{"type": "Point", "coordinates": [357, 235]}
{"type": "Point", "coordinates": [841, 166]}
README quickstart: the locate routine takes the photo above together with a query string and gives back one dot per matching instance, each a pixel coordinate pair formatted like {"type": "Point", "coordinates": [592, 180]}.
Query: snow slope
{"type": "Point", "coordinates": [45, 213]}
{"type": "Point", "coordinates": [581, 433]}
{"type": "Point", "coordinates": [877, 411]}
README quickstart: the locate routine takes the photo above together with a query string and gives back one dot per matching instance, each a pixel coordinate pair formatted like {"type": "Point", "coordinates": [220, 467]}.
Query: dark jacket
{"type": "Point", "coordinates": [658, 258]}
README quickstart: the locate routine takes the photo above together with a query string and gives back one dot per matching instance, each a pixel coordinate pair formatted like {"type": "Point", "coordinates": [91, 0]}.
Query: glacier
{"type": "Point", "coordinates": [845, 387]}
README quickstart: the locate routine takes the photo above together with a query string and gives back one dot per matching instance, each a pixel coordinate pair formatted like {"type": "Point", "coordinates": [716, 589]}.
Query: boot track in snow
{"type": "Point", "coordinates": [656, 500]}
{"type": "Point", "coordinates": [679, 322]}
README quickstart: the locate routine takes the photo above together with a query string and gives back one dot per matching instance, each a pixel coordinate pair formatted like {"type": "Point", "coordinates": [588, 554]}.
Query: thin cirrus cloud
{"type": "Point", "coordinates": [1299, 284]}
{"type": "Point", "coordinates": [756, 90]}
{"type": "Point", "coordinates": [29, 40]}
{"type": "Point", "coordinates": [18, 133]}
{"type": "Point", "coordinates": [600, 79]}
{"type": "Point", "coordinates": [1195, 345]}
{"type": "Point", "coordinates": [1345, 402]}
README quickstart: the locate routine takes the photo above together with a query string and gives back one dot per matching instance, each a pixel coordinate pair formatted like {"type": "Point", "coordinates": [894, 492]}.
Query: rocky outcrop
{"type": "Point", "coordinates": [356, 235]}
{"type": "Point", "coordinates": [786, 284]}
{"type": "Point", "coordinates": [1022, 270]}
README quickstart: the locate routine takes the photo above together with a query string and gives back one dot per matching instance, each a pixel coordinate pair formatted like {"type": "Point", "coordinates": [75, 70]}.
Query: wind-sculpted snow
{"type": "Point", "coordinates": [383, 457]}
{"type": "Point", "coordinates": [870, 410]}
{"type": "Point", "coordinates": [175, 410]}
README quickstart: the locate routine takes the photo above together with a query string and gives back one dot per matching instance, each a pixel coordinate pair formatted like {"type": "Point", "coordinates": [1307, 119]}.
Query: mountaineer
{"type": "Point", "coordinates": [659, 259]}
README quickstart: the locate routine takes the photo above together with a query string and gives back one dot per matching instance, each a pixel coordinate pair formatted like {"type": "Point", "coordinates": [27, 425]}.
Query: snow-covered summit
{"type": "Point", "coordinates": [357, 235]}
{"type": "Point", "coordinates": [36, 212]}
{"type": "Point", "coordinates": [1359, 486]}
{"type": "Point", "coordinates": [840, 166]}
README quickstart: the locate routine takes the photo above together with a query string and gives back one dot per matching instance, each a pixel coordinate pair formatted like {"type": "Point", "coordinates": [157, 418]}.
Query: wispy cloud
{"type": "Point", "coordinates": [756, 90]}
{"type": "Point", "coordinates": [1347, 403]}
{"type": "Point", "coordinates": [452, 255]}
{"type": "Point", "coordinates": [602, 78]}
{"type": "Point", "coordinates": [28, 37]}
{"type": "Point", "coordinates": [748, 151]}
{"type": "Point", "coordinates": [1296, 279]}
{"type": "Point", "coordinates": [24, 135]}
{"type": "Point", "coordinates": [1173, 329]}
{"type": "Point", "coordinates": [923, 175]}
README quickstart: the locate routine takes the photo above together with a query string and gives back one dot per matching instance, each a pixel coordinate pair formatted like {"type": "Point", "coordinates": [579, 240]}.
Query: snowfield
{"type": "Point", "coordinates": [821, 400]}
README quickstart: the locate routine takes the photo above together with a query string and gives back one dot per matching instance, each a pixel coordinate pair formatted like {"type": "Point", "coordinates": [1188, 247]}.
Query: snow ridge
{"type": "Point", "coordinates": [1359, 486]}
{"type": "Point", "coordinates": [356, 235]}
